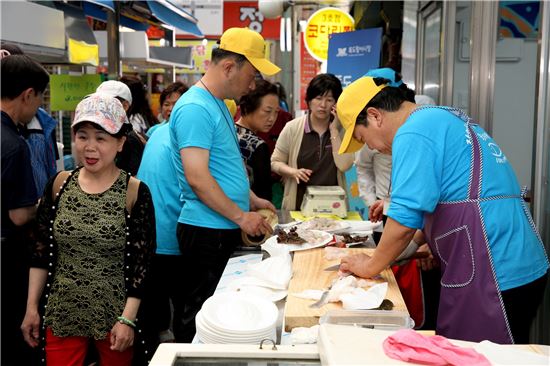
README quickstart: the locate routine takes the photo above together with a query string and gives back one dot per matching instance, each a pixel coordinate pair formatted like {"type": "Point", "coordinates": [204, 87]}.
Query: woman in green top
{"type": "Point", "coordinates": [95, 237]}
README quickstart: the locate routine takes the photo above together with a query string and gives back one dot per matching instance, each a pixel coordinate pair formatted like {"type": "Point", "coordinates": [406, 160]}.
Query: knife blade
{"type": "Point", "coordinates": [416, 255]}
{"type": "Point", "coordinates": [335, 267]}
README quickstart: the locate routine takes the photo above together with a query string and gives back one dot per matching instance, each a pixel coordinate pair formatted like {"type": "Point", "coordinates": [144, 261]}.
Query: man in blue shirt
{"type": "Point", "coordinates": [158, 172]}
{"type": "Point", "coordinates": [23, 84]}
{"type": "Point", "coordinates": [451, 179]}
{"type": "Point", "coordinates": [216, 199]}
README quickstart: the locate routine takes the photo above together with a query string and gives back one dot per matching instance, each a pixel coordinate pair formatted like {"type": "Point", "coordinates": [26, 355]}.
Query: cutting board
{"type": "Point", "coordinates": [308, 273]}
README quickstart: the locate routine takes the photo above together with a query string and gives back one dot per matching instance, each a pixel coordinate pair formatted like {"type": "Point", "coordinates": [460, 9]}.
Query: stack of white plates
{"type": "Point", "coordinates": [232, 317]}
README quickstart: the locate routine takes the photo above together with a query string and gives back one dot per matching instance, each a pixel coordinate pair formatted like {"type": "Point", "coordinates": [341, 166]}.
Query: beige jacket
{"type": "Point", "coordinates": [286, 153]}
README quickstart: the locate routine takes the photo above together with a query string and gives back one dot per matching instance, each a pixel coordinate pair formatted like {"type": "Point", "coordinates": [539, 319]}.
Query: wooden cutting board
{"type": "Point", "coordinates": [308, 273]}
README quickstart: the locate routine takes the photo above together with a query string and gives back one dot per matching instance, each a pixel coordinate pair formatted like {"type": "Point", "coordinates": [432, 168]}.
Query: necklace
{"type": "Point", "coordinates": [229, 123]}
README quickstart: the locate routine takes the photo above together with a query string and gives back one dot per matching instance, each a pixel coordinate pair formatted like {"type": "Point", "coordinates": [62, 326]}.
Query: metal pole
{"type": "Point", "coordinates": [448, 26]}
{"type": "Point", "coordinates": [484, 29]}
{"type": "Point", "coordinates": [113, 42]}
{"type": "Point", "coordinates": [542, 126]}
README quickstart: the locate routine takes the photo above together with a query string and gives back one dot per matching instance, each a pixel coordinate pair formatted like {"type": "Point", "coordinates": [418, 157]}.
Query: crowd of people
{"type": "Point", "coordinates": [122, 251]}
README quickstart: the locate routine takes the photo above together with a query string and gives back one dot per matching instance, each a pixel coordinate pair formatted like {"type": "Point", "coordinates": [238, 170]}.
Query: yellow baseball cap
{"type": "Point", "coordinates": [251, 45]}
{"type": "Point", "coordinates": [231, 106]}
{"type": "Point", "coordinates": [351, 102]}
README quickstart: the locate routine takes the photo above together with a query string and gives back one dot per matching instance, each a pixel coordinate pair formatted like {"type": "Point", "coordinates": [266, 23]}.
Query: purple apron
{"type": "Point", "coordinates": [470, 307]}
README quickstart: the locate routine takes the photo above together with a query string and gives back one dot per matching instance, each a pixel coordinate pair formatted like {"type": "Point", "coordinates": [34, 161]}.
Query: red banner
{"type": "Point", "coordinates": [309, 67]}
{"type": "Point", "coordinates": [246, 14]}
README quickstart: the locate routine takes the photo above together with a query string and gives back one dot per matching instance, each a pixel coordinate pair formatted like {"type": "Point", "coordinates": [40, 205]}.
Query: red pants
{"type": "Point", "coordinates": [71, 351]}
{"type": "Point", "coordinates": [410, 283]}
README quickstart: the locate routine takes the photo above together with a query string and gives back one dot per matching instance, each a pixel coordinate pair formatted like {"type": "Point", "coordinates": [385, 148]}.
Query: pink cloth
{"type": "Point", "coordinates": [410, 346]}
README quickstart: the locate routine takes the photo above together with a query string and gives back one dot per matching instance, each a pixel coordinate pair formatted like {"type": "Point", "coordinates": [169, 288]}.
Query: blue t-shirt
{"type": "Point", "coordinates": [154, 128]}
{"type": "Point", "coordinates": [431, 157]}
{"type": "Point", "coordinates": [201, 120]}
{"type": "Point", "coordinates": [157, 171]}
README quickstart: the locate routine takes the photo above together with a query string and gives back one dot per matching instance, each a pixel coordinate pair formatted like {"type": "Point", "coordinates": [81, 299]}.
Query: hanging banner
{"type": "Point", "coordinates": [246, 14]}
{"type": "Point", "coordinates": [352, 54]}
{"type": "Point", "coordinates": [66, 91]}
{"type": "Point", "coordinates": [309, 67]}
{"type": "Point", "coordinates": [200, 55]}
{"type": "Point", "coordinates": [320, 25]}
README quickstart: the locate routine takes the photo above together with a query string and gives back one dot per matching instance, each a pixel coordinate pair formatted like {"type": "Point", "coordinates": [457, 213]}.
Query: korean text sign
{"type": "Point", "coordinates": [352, 54]}
{"type": "Point", "coordinates": [246, 14]}
{"type": "Point", "coordinates": [66, 91]}
{"type": "Point", "coordinates": [320, 25]}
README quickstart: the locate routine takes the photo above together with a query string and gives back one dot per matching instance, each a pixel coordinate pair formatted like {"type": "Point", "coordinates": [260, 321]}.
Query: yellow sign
{"type": "Point", "coordinates": [83, 53]}
{"type": "Point", "coordinates": [66, 91]}
{"type": "Point", "coordinates": [320, 25]}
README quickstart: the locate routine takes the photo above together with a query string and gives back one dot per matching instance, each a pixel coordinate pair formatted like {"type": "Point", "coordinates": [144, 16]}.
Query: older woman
{"type": "Point", "coordinates": [259, 110]}
{"type": "Point", "coordinates": [168, 99]}
{"type": "Point", "coordinates": [306, 152]}
{"type": "Point", "coordinates": [95, 237]}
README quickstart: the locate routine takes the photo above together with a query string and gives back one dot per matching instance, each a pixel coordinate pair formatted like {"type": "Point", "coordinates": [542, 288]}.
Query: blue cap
{"type": "Point", "coordinates": [385, 73]}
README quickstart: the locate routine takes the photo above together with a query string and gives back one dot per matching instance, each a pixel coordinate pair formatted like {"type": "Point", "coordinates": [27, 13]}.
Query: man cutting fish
{"type": "Point", "coordinates": [453, 181]}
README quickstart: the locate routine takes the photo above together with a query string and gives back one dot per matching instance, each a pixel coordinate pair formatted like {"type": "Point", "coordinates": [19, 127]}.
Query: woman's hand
{"type": "Point", "coordinates": [428, 263]}
{"type": "Point", "coordinates": [30, 327]}
{"type": "Point", "coordinates": [302, 175]}
{"type": "Point", "coordinates": [122, 337]}
{"type": "Point", "coordinates": [376, 211]}
{"type": "Point", "coordinates": [357, 264]}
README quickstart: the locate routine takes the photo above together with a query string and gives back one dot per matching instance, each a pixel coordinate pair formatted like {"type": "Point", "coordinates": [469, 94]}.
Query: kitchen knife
{"type": "Point", "coordinates": [416, 255]}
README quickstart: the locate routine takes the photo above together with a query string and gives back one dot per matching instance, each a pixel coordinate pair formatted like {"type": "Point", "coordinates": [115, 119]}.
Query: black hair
{"type": "Point", "coordinates": [321, 84]}
{"type": "Point", "coordinates": [140, 104]}
{"type": "Point", "coordinates": [13, 49]}
{"type": "Point", "coordinates": [388, 99]}
{"type": "Point", "coordinates": [407, 92]}
{"type": "Point", "coordinates": [219, 54]}
{"type": "Point", "coordinates": [124, 129]}
{"type": "Point", "coordinates": [177, 87]}
{"type": "Point", "coordinates": [251, 101]}
{"type": "Point", "coordinates": [20, 72]}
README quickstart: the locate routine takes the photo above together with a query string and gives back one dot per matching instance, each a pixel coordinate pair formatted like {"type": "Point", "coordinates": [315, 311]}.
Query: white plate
{"type": "Point", "coordinates": [324, 224]}
{"type": "Point", "coordinates": [249, 285]}
{"type": "Point", "coordinates": [239, 313]}
{"type": "Point", "coordinates": [323, 238]}
{"type": "Point", "coordinates": [217, 336]}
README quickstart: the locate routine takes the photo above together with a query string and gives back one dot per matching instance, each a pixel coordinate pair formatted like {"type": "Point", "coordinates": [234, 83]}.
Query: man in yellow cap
{"type": "Point", "coordinates": [217, 201]}
{"type": "Point", "coordinates": [451, 180]}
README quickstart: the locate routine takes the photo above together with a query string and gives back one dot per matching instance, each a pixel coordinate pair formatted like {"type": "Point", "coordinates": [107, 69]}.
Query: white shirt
{"type": "Point", "coordinates": [373, 176]}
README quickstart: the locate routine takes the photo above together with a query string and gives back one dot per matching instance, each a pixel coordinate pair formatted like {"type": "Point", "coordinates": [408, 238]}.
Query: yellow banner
{"type": "Point", "coordinates": [83, 53]}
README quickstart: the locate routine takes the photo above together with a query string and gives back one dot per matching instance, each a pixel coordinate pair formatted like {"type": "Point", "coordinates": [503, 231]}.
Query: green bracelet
{"type": "Point", "coordinates": [126, 321]}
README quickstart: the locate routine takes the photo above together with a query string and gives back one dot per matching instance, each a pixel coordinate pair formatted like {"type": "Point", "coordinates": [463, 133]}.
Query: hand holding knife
{"type": "Point", "coordinates": [416, 255]}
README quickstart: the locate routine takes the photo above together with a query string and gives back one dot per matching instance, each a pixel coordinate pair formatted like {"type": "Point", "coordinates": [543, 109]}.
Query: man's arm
{"type": "Point", "coordinates": [395, 238]}
{"type": "Point", "coordinates": [195, 166]}
{"type": "Point", "coordinates": [21, 216]}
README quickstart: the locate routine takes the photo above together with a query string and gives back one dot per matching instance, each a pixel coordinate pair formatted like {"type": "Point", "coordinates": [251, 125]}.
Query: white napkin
{"type": "Point", "coordinates": [356, 225]}
{"type": "Point", "coordinates": [359, 298]}
{"type": "Point", "coordinates": [309, 294]}
{"type": "Point", "coordinates": [255, 286]}
{"type": "Point", "coordinates": [276, 250]}
{"type": "Point", "coordinates": [499, 354]}
{"type": "Point", "coordinates": [302, 335]}
{"type": "Point", "coordinates": [274, 272]}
